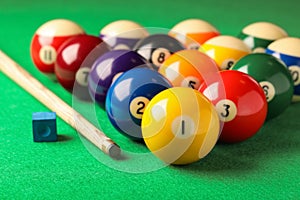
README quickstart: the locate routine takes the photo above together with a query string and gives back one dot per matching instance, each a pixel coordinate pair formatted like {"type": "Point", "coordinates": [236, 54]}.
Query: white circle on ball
{"type": "Point", "coordinates": [116, 77]}
{"type": "Point", "coordinates": [159, 56]}
{"type": "Point", "coordinates": [295, 72]}
{"type": "Point", "coordinates": [194, 46]}
{"type": "Point", "coordinates": [227, 63]}
{"type": "Point", "coordinates": [121, 46]}
{"type": "Point", "coordinates": [191, 81]}
{"type": "Point", "coordinates": [226, 110]}
{"type": "Point", "coordinates": [137, 106]}
{"type": "Point", "coordinates": [47, 54]}
{"type": "Point", "coordinates": [183, 127]}
{"type": "Point", "coordinates": [259, 50]}
{"type": "Point", "coordinates": [269, 90]}
{"type": "Point", "coordinates": [82, 76]}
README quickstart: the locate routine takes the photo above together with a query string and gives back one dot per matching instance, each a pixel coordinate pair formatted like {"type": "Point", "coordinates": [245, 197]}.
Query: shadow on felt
{"type": "Point", "coordinates": [276, 139]}
{"type": "Point", "coordinates": [63, 138]}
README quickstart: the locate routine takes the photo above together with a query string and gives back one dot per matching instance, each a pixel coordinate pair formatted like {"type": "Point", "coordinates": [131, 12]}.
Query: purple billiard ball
{"type": "Point", "coordinates": [107, 68]}
{"type": "Point", "coordinates": [123, 34]}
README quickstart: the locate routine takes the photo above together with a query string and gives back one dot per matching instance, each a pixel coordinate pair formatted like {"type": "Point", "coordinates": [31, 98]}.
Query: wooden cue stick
{"type": "Point", "coordinates": [54, 103]}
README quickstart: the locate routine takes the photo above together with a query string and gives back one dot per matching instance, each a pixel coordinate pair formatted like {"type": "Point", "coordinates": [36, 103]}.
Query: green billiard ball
{"type": "Point", "coordinates": [274, 78]}
{"type": "Point", "coordinates": [259, 35]}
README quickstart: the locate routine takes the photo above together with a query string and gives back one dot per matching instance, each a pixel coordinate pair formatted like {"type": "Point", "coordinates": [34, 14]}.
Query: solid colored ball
{"type": "Point", "coordinates": [193, 32]}
{"type": "Point", "coordinates": [241, 105]}
{"type": "Point", "coordinates": [259, 35]}
{"type": "Point", "coordinates": [189, 68]}
{"type": "Point", "coordinates": [80, 88]}
{"type": "Point", "coordinates": [288, 50]}
{"type": "Point", "coordinates": [225, 50]}
{"type": "Point", "coordinates": [70, 56]}
{"type": "Point", "coordinates": [273, 77]}
{"type": "Point", "coordinates": [107, 68]}
{"type": "Point", "coordinates": [47, 39]}
{"type": "Point", "coordinates": [157, 48]}
{"type": "Point", "coordinates": [128, 97]}
{"type": "Point", "coordinates": [123, 34]}
{"type": "Point", "coordinates": [180, 126]}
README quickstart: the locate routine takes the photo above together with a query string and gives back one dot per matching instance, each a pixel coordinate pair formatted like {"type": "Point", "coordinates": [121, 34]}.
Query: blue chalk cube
{"type": "Point", "coordinates": [44, 127]}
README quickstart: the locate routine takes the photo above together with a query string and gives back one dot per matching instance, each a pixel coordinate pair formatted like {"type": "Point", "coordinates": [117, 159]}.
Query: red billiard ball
{"type": "Point", "coordinates": [240, 102]}
{"type": "Point", "coordinates": [48, 38]}
{"type": "Point", "coordinates": [70, 57]}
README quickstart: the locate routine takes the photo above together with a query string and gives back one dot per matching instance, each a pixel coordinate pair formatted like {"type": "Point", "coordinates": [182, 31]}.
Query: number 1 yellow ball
{"type": "Point", "coordinates": [180, 126]}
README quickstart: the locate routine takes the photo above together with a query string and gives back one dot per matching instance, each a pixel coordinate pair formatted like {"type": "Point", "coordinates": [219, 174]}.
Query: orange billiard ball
{"type": "Point", "coordinates": [189, 68]}
{"type": "Point", "coordinates": [48, 38]}
{"type": "Point", "coordinates": [193, 32]}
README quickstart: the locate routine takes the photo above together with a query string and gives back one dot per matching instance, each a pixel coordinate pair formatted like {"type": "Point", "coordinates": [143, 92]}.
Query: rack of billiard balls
{"type": "Point", "coordinates": [180, 91]}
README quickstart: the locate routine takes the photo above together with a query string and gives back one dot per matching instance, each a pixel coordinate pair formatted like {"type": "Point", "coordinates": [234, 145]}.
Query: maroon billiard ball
{"type": "Point", "coordinates": [240, 102]}
{"type": "Point", "coordinates": [70, 57]}
{"type": "Point", "coordinates": [47, 39]}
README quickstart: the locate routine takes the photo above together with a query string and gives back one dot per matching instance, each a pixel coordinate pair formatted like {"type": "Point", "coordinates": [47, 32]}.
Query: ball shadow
{"type": "Point", "coordinates": [279, 138]}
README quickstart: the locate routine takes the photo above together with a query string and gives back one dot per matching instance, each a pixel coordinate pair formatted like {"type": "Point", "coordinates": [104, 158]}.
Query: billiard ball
{"type": "Point", "coordinates": [128, 97]}
{"type": "Point", "coordinates": [70, 56]}
{"type": "Point", "coordinates": [288, 50]}
{"type": "Point", "coordinates": [259, 35]}
{"type": "Point", "coordinates": [46, 41]}
{"type": "Point", "coordinates": [180, 126]}
{"type": "Point", "coordinates": [189, 68]}
{"type": "Point", "coordinates": [193, 32]}
{"type": "Point", "coordinates": [241, 105]}
{"type": "Point", "coordinates": [123, 34]}
{"type": "Point", "coordinates": [107, 68]}
{"type": "Point", "coordinates": [274, 78]}
{"type": "Point", "coordinates": [225, 50]}
{"type": "Point", "coordinates": [157, 48]}
{"type": "Point", "coordinates": [80, 88]}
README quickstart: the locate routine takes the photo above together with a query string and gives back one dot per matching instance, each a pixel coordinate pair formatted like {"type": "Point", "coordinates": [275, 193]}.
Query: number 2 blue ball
{"type": "Point", "coordinates": [129, 95]}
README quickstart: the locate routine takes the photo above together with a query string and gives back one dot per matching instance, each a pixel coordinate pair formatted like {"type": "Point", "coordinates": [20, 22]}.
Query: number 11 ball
{"type": "Point", "coordinates": [48, 39]}
{"type": "Point", "coordinates": [240, 102]}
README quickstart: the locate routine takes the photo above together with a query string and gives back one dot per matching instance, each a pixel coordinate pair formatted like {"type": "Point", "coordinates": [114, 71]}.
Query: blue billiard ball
{"type": "Point", "coordinates": [128, 97]}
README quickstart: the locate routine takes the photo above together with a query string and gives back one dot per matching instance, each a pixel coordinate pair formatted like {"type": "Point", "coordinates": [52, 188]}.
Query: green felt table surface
{"type": "Point", "coordinates": [266, 166]}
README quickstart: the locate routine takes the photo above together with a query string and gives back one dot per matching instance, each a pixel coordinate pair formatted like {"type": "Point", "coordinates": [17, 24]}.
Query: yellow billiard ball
{"type": "Point", "coordinates": [225, 50]}
{"type": "Point", "coordinates": [180, 126]}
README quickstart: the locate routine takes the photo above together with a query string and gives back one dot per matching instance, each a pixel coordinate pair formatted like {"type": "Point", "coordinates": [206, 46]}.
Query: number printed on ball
{"type": "Point", "coordinates": [160, 55]}
{"type": "Point", "coordinates": [137, 106]}
{"type": "Point", "coordinates": [268, 89]}
{"type": "Point", "coordinates": [48, 54]}
{"type": "Point", "coordinates": [183, 127]}
{"type": "Point", "coordinates": [191, 81]}
{"type": "Point", "coordinates": [226, 109]}
{"type": "Point", "coordinates": [82, 76]}
{"type": "Point", "coordinates": [295, 71]}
